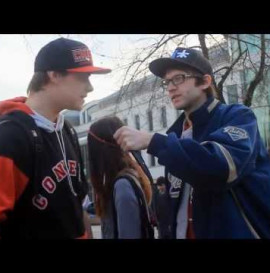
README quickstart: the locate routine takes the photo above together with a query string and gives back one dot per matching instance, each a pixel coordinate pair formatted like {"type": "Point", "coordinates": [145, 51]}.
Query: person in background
{"type": "Point", "coordinates": [162, 209]}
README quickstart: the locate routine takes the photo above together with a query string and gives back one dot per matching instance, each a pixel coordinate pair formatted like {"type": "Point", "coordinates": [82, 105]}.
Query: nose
{"type": "Point", "coordinates": [90, 87]}
{"type": "Point", "coordinates": [171, 87]}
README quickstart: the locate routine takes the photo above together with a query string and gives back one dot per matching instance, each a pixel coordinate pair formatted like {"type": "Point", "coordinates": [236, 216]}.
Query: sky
{"type": "Point", "coordinates": [18, 51]}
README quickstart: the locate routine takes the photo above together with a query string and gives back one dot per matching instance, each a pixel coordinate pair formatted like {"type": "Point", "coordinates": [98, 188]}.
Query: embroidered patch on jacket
{"type": "Point", "coordinates": [176, 184]}
{"type": "Point", "coordinates": [236, 133]}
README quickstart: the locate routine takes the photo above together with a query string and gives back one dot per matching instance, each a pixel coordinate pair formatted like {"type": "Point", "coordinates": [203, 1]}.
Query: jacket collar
{"type": "Point", "coordinates": [198, 117]}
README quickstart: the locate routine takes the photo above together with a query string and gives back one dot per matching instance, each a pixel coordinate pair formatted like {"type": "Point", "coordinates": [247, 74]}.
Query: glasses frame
{"type": "Point", "coordinates": [165, 83]}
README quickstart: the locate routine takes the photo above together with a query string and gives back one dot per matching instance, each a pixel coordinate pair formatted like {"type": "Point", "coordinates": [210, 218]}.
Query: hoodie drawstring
{"type": "Point", "coordinates": [63, 150]}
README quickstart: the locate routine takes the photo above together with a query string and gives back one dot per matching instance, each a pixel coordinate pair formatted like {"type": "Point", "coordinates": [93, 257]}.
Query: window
{"type": "Point", "coordinates": [85, 158]}
{"type": "Point", "coordinates": [150, 120]}
{"type": "Point", "coordinates": [88, 115]}
{"type": "Point", "coordinates": [83, 117]}
{"type": "Point", "coordinates": [246, 76]}
{"type": "Point", "coordinates": [163, 117]}
{"type": "Point", "coordinates": [232, 93]}
{"type": "Point", "coordinates": [152, 161]}
{"type": "Point", "coordinates": [137, 122]}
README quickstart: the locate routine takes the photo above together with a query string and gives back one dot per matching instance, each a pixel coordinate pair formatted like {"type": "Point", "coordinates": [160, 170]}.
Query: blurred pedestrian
{"type": "Point", "coordinates": [162, 209]}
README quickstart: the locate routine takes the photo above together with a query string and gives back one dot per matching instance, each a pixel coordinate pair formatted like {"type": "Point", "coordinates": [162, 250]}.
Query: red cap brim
{"type": "Point", "coordinates": [90, 69]}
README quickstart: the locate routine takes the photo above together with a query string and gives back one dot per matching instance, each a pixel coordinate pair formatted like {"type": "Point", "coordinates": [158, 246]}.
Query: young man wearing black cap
{"type": "Point", "coordinates": [215, 161]}
{"type": "Point", "coordinates": [42, 184]}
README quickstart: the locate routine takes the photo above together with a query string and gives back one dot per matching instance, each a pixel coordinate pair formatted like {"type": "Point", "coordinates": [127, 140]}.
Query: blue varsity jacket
{"type": "Point", "coordinates": [228, 167]}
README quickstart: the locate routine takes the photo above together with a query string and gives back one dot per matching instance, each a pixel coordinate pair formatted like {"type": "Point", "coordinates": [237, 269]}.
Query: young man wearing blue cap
{"type": "Point", "coordinates": [42, 184]}
{"type": "Point", "coordinates": [215, 161]}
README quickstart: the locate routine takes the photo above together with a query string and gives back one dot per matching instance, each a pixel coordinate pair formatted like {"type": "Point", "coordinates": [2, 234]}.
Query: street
{"type": "Point", "coordinates": [97, 232]}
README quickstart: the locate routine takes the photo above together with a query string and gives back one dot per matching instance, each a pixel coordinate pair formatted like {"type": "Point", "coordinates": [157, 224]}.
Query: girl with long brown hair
{"type": "Point", "coordinates": [122, 190]}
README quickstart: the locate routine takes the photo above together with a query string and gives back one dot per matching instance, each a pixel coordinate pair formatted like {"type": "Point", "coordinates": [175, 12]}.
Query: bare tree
{"type": "Point", "coordinates": [238, 49]}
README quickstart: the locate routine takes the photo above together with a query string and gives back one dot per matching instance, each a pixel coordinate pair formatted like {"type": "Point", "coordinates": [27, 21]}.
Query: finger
{"type": "Point", "coordinates": [123, 147]}
{"type": "Point", "coordinates": [119, 140]}
{"type": "Point", "coordinates": [122, 138]}
{"type": "Point", "coordinates": [118, 132]}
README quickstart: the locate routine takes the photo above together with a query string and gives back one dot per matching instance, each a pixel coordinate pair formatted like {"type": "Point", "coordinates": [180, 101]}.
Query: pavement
{"type": "Point", "coordinates": [97, 232]}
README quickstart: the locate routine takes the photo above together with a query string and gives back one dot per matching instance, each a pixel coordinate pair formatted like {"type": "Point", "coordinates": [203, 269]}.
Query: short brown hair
{"type": "Point", "coordinates": [210, 91]}
{"type": "Point", "coordinates": [40, 79]}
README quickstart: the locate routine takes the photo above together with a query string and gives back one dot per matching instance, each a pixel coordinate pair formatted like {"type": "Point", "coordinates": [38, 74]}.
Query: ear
{"type": "Point", "coordinates": [207, 81]}
{"type": "Point", "coordinates": [53, 76]}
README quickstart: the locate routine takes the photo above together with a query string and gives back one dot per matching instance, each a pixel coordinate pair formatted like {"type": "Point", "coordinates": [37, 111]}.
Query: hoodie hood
{"type": "Point", "coordinates": [46, 124]}
{"type": "Point", "coordinates": [18, 103]}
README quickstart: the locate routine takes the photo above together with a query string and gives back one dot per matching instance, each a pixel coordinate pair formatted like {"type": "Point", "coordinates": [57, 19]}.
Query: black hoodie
{"type": "Point", "coordinates": [49, 207]}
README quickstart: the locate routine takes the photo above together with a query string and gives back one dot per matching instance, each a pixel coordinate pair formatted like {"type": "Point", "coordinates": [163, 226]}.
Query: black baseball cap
{"type": "Point", "coordinates": [66, 54]}
{"type": "Point", "coordinates": [181, 58]}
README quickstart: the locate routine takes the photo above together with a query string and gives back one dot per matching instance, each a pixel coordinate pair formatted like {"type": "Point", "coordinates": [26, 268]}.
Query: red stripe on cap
{"type": "Point", "coordinates": [90, 69]}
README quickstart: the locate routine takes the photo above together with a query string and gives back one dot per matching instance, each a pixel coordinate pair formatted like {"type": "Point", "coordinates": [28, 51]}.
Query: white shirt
{"type": "Point", "coordinates": [182, 214]}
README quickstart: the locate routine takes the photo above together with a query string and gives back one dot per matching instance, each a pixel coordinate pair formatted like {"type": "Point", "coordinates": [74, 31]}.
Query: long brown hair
{"type": "Point", "coordinates": [107, 161]}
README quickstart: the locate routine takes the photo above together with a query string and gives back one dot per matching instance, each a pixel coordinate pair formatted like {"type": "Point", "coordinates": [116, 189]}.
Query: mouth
{"type": "Point", "coordinates": [175, 97]}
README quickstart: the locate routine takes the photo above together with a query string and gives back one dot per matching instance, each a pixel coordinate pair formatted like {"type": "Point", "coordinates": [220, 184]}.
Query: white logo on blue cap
{"type": "Point", "coordinates": [182, 54]}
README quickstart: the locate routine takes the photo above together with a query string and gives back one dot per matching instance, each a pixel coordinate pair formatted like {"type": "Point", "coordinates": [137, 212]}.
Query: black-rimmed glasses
{"type": "Point", "coordinates": [177, 79]}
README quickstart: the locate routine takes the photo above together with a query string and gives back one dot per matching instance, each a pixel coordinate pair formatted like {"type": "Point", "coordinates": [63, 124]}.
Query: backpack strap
{"type": "Point", "coordinates": [28, 125]}
{"type": "Point", "coordinates": [140, 161]}
{"type": "Point", "coordinates": [147, 231]}
{"type": "Point", "coordinates": [153, 207]}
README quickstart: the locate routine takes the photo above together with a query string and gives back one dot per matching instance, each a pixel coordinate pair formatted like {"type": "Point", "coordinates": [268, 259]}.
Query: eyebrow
{"type": "Point", "coordinates": [180, 74]}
